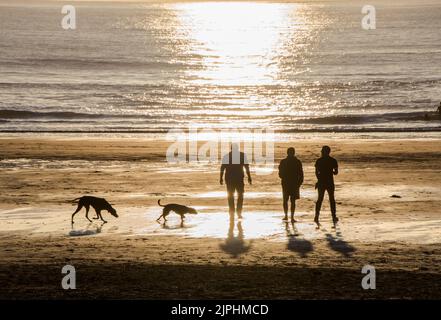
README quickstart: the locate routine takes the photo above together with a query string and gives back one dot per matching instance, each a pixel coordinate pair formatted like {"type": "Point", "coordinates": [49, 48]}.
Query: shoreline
{"type": "Point", "coordinates": [279, 137]}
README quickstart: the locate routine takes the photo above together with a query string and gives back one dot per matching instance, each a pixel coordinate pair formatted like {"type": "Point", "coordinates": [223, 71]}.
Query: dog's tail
{"type": "Point", "coordinates": [159, 203]}
{"type": "Point", "coordinates": [74, 201]}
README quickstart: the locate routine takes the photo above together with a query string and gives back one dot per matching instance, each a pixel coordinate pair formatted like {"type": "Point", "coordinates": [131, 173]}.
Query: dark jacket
{"type": "Point", "coordinates": [291, 171]}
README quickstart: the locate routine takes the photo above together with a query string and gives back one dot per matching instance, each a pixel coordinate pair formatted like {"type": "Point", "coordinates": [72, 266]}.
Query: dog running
{"type": "Point", "coordinates": [98, 204]}
{"type": "Point", "coordinates": [176, 208]}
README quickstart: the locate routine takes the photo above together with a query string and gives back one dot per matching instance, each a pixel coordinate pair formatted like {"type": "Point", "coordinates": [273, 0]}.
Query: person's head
{"type": "Point", "coordinates": [326, 151]}
{"type": "Point", "coordinates": [291, 152]}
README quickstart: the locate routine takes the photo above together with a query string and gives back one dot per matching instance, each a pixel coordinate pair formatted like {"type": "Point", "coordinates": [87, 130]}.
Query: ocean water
{"type": "Point", "coordinates": [151, 67]}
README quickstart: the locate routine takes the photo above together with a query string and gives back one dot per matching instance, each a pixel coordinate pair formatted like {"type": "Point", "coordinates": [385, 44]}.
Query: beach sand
{"type": "Point", "coordinates": [135, 257]}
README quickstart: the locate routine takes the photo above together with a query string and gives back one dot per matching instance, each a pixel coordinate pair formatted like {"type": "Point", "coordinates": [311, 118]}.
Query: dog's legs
{"type": "Point", "coordinates": [101, 217]}
{"type": "Point", "coordinates": [165, 213]}
{"type": "Point", "coordinates": [87, 212]}
{"type": "Point", "coordinates": [80, 206]}
{"type": "Point", "coordinates": [97, 214]}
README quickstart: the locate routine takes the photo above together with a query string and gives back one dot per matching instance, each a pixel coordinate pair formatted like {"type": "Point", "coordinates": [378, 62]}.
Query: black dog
{"type": "Point", "coordinates": [177, 208]}
{"type": "Point", "coordinates": [97, 203]}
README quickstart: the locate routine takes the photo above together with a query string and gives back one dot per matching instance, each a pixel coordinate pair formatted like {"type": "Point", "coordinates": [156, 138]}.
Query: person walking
{"type": "Point", "coordinates": [325, 169]}
{"type": "Point", "coordinates": [233, 164]}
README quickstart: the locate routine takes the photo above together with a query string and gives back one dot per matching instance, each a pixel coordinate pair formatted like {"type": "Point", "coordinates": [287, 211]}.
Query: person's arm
{"type": "Point", "coordinates": [246, 164]}
{"type": "Point", "coordinates": [301, 176]}
{"type": "Point", "coordinates": [281, 169]}
{"type": "Point", "coordinates": [222, 169]}
{"type": "Point", "coordinates": [247, 169]}
{"type": "Point", "coordinates": [335, 171]}
{"type": "Point", "coordinates": [317, 172]}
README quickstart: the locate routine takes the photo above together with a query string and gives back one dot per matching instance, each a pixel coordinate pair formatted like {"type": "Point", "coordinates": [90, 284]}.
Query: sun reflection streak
{"type": "Point", "coordinates": [238, 42]}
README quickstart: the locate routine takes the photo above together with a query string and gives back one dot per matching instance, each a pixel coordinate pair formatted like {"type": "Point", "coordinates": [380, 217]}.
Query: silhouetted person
{"type": "Point", "coordinates": [233, 164]}
{"type": "Point", "coordinates": [325, 169]}
{"type": "Point", "coordinates": [439, 110]}
{"type": "Point", "coordinates": [291, 173]}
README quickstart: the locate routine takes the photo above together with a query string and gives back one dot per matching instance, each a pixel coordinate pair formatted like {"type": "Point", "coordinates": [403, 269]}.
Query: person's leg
{"type": "Point", "coordinates": [318, 204]}
{"type": "Point", "coordinates": [240, 191]}
{"type": "Point", "coordinates": [230, 191]}
{"type": "Point", "coordinates": [285, 203]}
{"type": "Point", "coordinates": [331, 193]}
{"type": "Point", "coordinates": [293, 207]}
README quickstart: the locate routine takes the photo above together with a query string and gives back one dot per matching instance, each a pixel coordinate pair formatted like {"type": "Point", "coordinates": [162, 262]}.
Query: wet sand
{"type": "Point", "coordinates": [208, 257]}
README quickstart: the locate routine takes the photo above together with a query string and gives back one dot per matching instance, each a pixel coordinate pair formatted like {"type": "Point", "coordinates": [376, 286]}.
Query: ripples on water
{"type": "Point", "coordinates": [151, 67]}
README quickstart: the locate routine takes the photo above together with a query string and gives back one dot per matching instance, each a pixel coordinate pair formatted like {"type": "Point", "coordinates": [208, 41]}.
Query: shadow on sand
{"type": "Point", "coordinates": [235, 245]}
{"type": "Point", "coordinates": [338, 244]}
{"type": "Point", "coordinates": [296, 242]}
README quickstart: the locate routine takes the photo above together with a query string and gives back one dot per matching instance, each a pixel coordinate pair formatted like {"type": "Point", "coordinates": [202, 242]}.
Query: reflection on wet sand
{"type": "Point", "coordinates": [88, 231]}
{"type": "Point", "coordinates": [235, 245]}
{"type": "Point", "coordinates": [296, 242]}
{"type": "Point", "coordinates": [165, 226]}
{"type": "Point", "coordinates": [257, 225]}
{"type": "Point", "coordinates": [213, 222]}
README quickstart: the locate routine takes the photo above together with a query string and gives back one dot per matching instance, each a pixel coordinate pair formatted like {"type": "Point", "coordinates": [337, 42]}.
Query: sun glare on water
{"type": "Point", "coordinates": [239, 42]}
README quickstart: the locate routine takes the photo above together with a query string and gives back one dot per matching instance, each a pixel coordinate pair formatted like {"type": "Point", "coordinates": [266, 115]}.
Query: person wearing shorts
{"type": "Point", "coordinates": [291, 175]}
